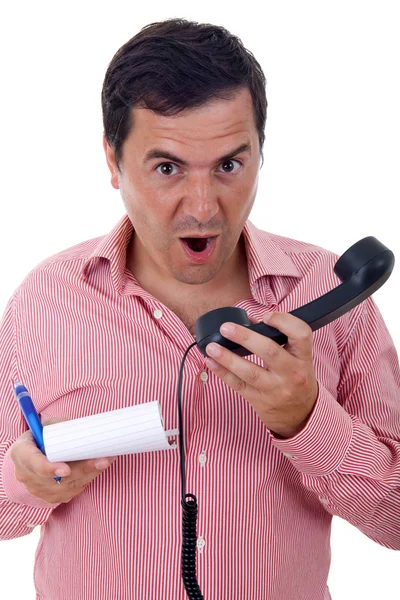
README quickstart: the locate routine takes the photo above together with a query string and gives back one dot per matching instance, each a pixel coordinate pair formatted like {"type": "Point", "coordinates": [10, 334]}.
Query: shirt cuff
{"type": "Point", "coordinates": [321, 446]}
{"type": "Point", "coordinates": [15, 490]}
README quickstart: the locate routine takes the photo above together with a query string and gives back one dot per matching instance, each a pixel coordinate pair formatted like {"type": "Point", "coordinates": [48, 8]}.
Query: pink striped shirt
{"type": "Point", "coordinates": [85, 338]}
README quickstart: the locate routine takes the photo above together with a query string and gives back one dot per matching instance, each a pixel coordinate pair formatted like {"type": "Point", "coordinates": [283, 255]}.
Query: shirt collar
{"type": "Point", "coordinates": [265, 258]}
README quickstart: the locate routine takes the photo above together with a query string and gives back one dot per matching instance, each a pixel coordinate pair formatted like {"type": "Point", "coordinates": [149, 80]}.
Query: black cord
{"type": "Point", "coordinates": [189, 518]}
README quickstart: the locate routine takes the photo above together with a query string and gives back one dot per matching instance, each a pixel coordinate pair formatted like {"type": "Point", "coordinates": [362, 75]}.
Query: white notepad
{"type": "Point", "coordinates": [128, 430]}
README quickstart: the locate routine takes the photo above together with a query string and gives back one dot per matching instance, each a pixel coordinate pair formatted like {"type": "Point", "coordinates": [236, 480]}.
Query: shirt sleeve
{"type": "Point", "coordinates": [20, 512]}
{"type": "Point", "coordinates": [348, 453]}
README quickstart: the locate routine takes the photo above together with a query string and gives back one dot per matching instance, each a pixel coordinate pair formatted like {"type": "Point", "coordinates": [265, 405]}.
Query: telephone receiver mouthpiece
{"type": "Point", "coordinates": [363, 269]}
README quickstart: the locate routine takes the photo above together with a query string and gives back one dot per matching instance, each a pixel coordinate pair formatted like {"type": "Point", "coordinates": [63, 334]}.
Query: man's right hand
{"type": "Point", "coordinates": [37, 473]}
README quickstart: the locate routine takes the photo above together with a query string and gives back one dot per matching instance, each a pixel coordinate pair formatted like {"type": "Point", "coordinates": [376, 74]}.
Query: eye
{"type": "Point", "coordinates": [230, 161]}
{"type": "Point", "coordinates": [163, 171]}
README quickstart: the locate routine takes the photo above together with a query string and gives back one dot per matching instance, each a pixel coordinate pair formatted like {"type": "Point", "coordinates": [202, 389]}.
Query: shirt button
{"type": "Point", "coordinates": [30, 525]}
{"type": "Point", "coordinates": [324, 501]}
{"type": "Point", "coordinates": [204, 376]}
{"type": "Point", "coordinates": [202, 458]}
{"type": "Point", "coordinates": [201, 543]}
{"type": "Point", "coordinates": [157, 313]}
{"type": "Point", "coordinates": [287, 455]}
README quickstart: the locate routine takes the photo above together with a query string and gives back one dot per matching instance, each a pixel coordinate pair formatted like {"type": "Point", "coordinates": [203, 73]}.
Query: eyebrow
{"type": "Point", "coordinates": [158, 153]}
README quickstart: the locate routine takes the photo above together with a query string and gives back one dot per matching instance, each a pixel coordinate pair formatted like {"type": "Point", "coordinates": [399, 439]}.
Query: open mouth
{"type": "Point", "coordinates": [197, 244]}
{"type": "Point", "coordinates": [199, 250]}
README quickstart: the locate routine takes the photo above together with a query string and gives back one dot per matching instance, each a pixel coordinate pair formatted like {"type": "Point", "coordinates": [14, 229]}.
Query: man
{"type": "Point", "coordinates": [276, 442]}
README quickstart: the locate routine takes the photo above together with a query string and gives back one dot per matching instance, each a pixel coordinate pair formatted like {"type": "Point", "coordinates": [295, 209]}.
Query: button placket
{"type": "Point", "coordinates": [202, 461]}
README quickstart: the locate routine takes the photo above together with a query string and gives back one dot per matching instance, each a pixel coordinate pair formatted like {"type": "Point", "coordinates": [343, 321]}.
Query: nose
{"type": "Point", "coordinates": [201, 198]}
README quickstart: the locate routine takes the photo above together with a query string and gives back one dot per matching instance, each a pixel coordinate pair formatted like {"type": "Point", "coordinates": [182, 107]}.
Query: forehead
{"type": "Point", "coordinates": [215, 120]}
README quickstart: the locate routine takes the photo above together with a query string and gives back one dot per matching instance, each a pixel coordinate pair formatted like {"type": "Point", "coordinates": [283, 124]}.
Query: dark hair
{"type": "Point", "coordinates": [173, 65]}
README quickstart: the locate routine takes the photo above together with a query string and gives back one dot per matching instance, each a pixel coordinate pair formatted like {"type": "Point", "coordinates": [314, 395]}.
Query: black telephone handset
{"type": "Point", "coordinates": [363, 269]}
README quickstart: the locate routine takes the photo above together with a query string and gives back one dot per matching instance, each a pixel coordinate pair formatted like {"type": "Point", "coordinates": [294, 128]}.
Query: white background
{"type": "Point", "coordinates": [330, 177]}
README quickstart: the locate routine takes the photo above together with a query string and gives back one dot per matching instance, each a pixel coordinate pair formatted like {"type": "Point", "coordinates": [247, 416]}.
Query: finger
{"type": "Point", "coordinates": [298, 332]}
{"type": "Point", "coordinates": [90, 466]}
{"type": "Point", "coordinates": [235, 382]}
{"type": "Point", "coordinates": [274, 356]}
{"type": "Point", "coordinates": [28, 456]}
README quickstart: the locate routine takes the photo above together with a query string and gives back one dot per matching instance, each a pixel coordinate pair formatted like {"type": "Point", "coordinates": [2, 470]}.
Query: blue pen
{"type": "Point", "coordinates": [31, 417]}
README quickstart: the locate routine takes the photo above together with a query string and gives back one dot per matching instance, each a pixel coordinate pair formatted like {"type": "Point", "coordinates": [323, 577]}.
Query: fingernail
{"type": "Point", "coordinates": [228, 329]}
{"type": "Point", "coordinates": [101, 464]}
{"type": "Point", "coordinates": [62, 472]}
{"type": "Point", "coordinates": [214, 349]}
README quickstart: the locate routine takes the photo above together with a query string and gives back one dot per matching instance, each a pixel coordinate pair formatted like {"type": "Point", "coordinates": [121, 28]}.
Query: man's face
{"type": "Point", "coordinates": [167, 200]}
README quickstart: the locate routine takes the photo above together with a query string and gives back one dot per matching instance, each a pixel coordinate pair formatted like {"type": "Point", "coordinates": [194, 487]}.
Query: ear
{"type": "Point", "coordinates": [110, 158]}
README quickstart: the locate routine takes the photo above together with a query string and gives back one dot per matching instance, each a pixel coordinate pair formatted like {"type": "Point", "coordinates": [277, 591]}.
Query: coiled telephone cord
{"type": "Point", "coordinates": [189, 518]}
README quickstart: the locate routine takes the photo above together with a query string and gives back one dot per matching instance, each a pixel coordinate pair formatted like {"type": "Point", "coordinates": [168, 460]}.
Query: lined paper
{"type": "Point", "coordinates": [129, 430]}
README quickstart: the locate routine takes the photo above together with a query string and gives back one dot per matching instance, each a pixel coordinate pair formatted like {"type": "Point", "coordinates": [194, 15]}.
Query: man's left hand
{"type": "Point", "coordinates": [284, 390]}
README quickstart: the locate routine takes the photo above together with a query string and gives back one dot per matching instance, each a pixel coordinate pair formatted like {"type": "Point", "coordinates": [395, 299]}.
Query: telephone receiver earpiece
{"type": "Point", "coordinates": [363, 269]}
